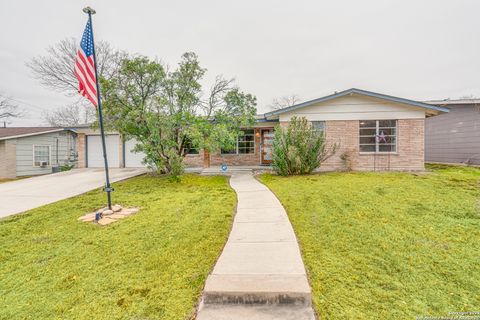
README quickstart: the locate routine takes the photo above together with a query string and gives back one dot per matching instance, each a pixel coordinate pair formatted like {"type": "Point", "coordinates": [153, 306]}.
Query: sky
{"type": "Point", "coordinates": [415, 49]}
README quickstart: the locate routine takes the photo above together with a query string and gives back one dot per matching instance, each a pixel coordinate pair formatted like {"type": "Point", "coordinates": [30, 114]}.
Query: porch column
{"type": "Point", "coordinates": [206, 158]}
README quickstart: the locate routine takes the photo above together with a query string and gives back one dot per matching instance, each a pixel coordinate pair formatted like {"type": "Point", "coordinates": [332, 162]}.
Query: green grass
{"type": "Point", "coordinates": [149, 266]}
{"type": "Point", "coordinates": [388, 245]}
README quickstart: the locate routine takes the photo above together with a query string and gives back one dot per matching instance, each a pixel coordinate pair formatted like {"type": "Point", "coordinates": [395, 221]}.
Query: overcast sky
{"type": "Point", "coordinates": [417, 49]}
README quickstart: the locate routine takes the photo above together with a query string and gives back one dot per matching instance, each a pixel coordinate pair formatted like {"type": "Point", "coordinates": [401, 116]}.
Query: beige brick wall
{"type": "Point", "coordinates": [81, 137]}
{"type": "Point", "coordinates": [409, 155]}
{"type": "Point", "coordinates": [8, 168]}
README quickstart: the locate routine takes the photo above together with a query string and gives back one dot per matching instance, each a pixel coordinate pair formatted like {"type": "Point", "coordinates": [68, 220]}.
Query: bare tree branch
{"type": "Point", "coordinates": [71, 115]}
{"type": "Point", "coordinates": [8, 109]}
{"type": "Point", "coordinates": [284, 102]}
{"type": "Point", "coordinates": [55, 70]}
{"type": "Point", "coordinates": [217, 94]}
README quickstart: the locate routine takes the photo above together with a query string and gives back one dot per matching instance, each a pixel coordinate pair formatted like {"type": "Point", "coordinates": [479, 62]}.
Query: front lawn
{"type": "Point", "coordinates": [388, 245]}
{"type": "Point", "coordinates": [148, 266]}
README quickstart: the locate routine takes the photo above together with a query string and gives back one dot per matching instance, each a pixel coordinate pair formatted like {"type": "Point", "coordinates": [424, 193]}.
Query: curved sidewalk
{"type": "Point", "coordinates": [260, 273]}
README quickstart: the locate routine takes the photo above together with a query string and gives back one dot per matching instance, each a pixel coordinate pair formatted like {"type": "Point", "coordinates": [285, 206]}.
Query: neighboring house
{"type": "Point", "coordinates": [377, 131]}
{"type": "Point", "coordinates": [32, 151]}
{"type": "Point", "coordinates": [454, 137]}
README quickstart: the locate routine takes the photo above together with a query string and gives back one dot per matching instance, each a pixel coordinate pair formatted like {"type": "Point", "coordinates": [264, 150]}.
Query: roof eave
{"type": "Point", "coordinates": [33, 134]}
{"type": "Point", "coordinates": [360, 92]}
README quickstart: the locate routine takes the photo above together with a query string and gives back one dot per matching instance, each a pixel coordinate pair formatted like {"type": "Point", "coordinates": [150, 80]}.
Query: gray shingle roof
{"type": "Point", "coordinates": [360, 92]}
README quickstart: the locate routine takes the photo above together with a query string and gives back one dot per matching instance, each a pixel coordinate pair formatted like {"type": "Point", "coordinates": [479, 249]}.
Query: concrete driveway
{"type": "Point", "coordinates": [26, 194]}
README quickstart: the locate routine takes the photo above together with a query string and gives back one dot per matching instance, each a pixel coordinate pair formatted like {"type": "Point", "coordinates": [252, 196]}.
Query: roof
{"type": "Point", "coordinates": [18, 132]}
{"type": "Point", "coordinates": [359, 92]}
{"type": "Point", "coordinates": [447, 102]}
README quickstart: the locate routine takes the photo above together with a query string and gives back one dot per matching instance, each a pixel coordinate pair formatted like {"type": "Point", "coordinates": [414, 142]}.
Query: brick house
{"type": "Point", "coordinates": [377, 131]}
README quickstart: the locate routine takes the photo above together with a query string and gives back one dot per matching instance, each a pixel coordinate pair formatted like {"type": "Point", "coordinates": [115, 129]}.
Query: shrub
{"type": "Point", "coordinates": [298, 148]}
{"type": "Point", "coordinates": [347, 160]}
{"type": "Point", "coordinates": [66, 167]}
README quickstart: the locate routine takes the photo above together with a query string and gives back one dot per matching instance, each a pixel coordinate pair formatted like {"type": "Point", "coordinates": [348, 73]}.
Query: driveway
{"type": "Point", "coordinates": [26, 194]}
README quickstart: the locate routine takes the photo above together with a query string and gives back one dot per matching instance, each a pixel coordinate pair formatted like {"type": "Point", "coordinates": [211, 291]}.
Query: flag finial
{"type": "Point", "coordinates": [89, 10]}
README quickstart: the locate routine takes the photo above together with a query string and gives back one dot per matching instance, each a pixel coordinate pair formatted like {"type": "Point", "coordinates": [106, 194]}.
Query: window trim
{"type": "Point", "coordinates": [49, 154]}
{"type": "Point", "coordinates": [236, 153]}
{"type": "Point", "coordinates": [377, 126]}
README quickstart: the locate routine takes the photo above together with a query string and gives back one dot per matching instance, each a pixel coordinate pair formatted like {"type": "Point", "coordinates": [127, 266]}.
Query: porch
{"type": "Point", "coordinates": [253, 149]}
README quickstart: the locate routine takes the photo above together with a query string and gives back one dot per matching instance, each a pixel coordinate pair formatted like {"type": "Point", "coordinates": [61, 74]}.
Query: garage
{"type": "Point", "coordinates": [132, 159]}
{"type": "Point", "coordinates": [94, 156]}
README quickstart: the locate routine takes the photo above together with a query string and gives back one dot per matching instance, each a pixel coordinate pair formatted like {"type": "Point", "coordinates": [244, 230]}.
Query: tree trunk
{"type": "Point", "coordinates": [206, 158]}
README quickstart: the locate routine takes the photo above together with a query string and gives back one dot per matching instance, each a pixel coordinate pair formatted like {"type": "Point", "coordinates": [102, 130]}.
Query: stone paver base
{"type": "Point", "coordinates": [109, 216]}
{"type": "Point", "coordinates": [260, 273]}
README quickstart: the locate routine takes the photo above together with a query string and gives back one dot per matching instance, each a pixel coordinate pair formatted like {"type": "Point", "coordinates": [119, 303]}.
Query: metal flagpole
{"type": "Point", "coordinates": [108, 189]}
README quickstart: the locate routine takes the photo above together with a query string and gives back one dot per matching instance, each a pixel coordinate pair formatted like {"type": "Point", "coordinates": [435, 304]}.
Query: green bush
{"type": "Point", "coordinates": [66, 167]}
{"type": "Point", "coordinates": [298, 148]}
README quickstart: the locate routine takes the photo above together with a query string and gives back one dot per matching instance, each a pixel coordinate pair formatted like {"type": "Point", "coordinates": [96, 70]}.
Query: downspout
{"type": "Point", "coordinates": [56, 149]}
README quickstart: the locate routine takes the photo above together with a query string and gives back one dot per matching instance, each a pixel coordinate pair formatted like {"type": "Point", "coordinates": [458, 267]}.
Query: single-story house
{"type": "Point", "coordinates": [454, 137]}
{"type": "Point", "coordinates": [377, 131]}
{"type": "Point", "coordinates": [28, 151]}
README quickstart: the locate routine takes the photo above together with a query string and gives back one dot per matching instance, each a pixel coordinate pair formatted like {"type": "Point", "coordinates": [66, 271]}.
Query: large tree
{"type": "Point", "coordinates": [165, 112]}
{"type": "Point", "coordinates": [55, 71]}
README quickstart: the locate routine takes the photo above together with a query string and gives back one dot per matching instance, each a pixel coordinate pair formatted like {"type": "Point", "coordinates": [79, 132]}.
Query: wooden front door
{"type": "Point", "coordinates": [266, 150]}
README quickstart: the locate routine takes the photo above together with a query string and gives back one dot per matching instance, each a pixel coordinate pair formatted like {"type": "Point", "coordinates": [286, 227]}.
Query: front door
{"type": "Point", "coordinates": [267, 140]}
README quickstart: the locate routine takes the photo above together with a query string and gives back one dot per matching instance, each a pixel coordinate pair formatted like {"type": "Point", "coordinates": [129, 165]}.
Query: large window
{"type": "Point", "coordinates": [245, 143]}
{"type": "Point", "coordinates": [189, 148]}
{"type": "Point", "coordinates": [378, 136]}
{"type": "Point", "coordinates": [41, 156]}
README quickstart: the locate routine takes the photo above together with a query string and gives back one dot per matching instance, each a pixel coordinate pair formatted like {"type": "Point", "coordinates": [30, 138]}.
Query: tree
{"type": "Point", "coordinates": [299, 148]}
{"type": "Point", "coordinates": [8, 109]}
{"type": "Point", "coordinates": [71, 115]}
{"type": "Point", "coordinates": [56, 69]}
{"type": "Point", "coordinates": [284, 102]}
{"type": "Point", "coordinates": [164, 110]}
{"type": "Point", "coordinates": [225, 112]}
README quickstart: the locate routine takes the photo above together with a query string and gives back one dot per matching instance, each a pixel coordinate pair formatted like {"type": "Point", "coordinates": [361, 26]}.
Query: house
{"type": "Point", "coordinates": [454, 137]}
{"type": "Point", "coordinates": [32, 151]}
{"type": "Point", "coordinates": [376, 131]}
{"type": "Point", "coordinates": [119, 152]}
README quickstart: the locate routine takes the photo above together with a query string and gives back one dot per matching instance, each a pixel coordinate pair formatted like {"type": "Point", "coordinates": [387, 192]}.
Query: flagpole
{"type": "Point", "coordinates": [108, 189]}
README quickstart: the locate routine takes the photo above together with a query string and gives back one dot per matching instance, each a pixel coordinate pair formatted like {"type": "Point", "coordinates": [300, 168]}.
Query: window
{"type": "Point", "coordinates": [245, 143]}
{"type": "Point", "coordinates": [378, 136]}
{"type": "Point", "coordinates": [41, 156]}
{"type": "Point", "coordinates": [189, 148]}
{"type": "Point", "coordinates": [319, 126]}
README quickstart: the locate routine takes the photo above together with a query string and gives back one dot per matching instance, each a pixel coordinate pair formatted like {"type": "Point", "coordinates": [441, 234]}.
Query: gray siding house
{"type": "Point", "coordinates": [35, 150]}
{"type": "Point", "coordinates": [454, 137]}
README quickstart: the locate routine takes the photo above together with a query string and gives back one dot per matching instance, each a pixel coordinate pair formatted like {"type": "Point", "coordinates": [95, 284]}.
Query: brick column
{"type": "Point", "coordinates": [81, 150]}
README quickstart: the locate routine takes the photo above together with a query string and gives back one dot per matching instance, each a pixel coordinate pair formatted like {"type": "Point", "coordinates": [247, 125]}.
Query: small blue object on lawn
{"type": "Point", "coordinates": [223, 167]}
{"type": "Point", "coordinates": [98, 216]}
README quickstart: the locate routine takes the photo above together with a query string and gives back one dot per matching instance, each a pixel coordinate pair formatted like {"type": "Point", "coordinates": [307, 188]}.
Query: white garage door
{"type": "Point", "coordinates": [95, 152]}
{"type": "Point", "coordinates": [132, 159]}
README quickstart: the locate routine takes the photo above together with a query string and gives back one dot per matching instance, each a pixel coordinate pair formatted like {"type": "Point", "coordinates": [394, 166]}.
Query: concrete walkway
{"type": "Point", "coordinates": [260, 273]}
{"type": "Point", "coordinates": [30, 193]}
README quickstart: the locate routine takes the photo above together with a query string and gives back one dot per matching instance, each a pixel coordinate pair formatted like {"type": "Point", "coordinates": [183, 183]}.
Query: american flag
{"type": "Point", "coordinates": [85, 67]}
